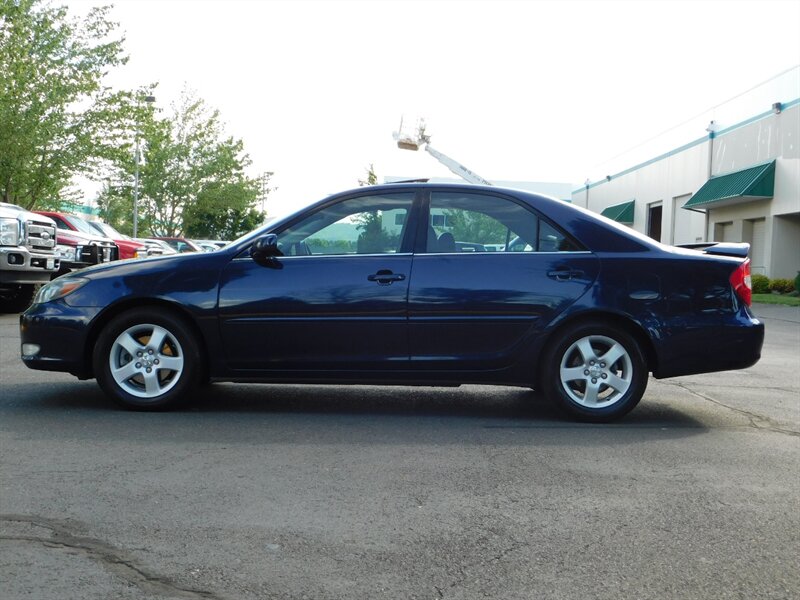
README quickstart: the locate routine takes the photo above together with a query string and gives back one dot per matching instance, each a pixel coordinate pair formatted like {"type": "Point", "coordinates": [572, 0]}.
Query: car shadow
{"type": "Point", "coordinates": [321, 406]}
{"type": "Point", "coordinates": [468, 401]}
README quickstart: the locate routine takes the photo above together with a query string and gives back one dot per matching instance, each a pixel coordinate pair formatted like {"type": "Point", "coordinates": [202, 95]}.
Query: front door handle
{"type": "Point", "coordinates": [386, 277]}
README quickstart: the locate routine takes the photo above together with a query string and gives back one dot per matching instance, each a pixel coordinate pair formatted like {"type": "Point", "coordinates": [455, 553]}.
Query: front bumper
{"type": "Point", "coordinates": [61, 333]}
{"type": "Point", "coordinates": [86, 256]}
{"type": "Point", "coordinates": [19, 265]}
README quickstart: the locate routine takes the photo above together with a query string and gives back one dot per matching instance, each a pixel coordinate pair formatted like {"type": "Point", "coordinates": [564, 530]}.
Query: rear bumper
{"type": "Point", "coordinates": [729, 343]}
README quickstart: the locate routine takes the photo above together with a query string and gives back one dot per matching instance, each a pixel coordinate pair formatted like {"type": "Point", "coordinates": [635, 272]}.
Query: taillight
{"type": "Point", "coordinates": [742, 285]}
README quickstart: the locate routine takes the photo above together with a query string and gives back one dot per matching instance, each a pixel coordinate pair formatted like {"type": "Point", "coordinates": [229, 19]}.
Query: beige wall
{"type": "Point", "coordinates": [775, 136]}
{"type": "Point", "coordinates": [787, 185]}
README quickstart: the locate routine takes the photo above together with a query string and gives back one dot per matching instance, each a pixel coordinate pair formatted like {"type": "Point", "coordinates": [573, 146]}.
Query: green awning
{"type": "Point", "coordinates": [755, 183]}
{"type": "Point", "coordinates": [621, 213]}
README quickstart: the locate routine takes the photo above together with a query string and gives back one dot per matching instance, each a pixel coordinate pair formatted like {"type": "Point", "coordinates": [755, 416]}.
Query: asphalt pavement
{"type": "Point", "coordinates": [328, 492]}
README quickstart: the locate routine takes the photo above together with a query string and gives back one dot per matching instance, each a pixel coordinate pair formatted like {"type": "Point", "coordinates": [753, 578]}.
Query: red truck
{"type": "Point", "coordinates": [79, 245]}
{"type": "Point", "coordinates": [128, 248]}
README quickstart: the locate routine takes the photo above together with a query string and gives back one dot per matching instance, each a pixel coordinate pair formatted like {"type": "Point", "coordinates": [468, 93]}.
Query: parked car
{"type": "Point", "coordinates": [128, 247]}
{"type": "Point", "coordinates": [206, 246]}
{"type": "Point", "coordinates": [157, 246]}
{"type": "Point", "coordinates": [79, 244]}
{"type": "Point", "coordinates": [208, 243]}
{"type": "Point", "coordinates": [27, 255]}
{"type": "Point", "coordinates": [180, 245]}
{"type": "Point", "coordinates": [357, 289]}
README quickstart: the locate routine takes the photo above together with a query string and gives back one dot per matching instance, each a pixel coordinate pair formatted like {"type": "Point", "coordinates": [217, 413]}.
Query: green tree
{"type": "Point", "coordinates": [192, 178]}
{"type": "Point", "coordinates": [57, 119]}
{"type": "Point", "coordinates": [374, 239]}
{"type": "Point", "coordinates": [372, 177]}
{"type": "Point", "coordinates": [223, 211]}
{"type": "Point", "coordinates": [471, 226]}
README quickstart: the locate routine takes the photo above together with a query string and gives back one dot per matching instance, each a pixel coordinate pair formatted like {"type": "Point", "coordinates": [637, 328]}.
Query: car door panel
{"type": "Point", "coordinates": [315, 312]}
{"type": "Point", "coordinates": [478, 308]}
{"type": "Point", "coordinates": [333, 295]}
{"type": "Point", "coordinates": [489, 273]}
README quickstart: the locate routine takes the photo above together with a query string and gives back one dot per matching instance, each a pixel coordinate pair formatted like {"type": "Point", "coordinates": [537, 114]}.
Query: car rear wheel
{"type": "Point", "coordinates": [147, 359]}
{"type": "Point", "coordinates": [595, 372]}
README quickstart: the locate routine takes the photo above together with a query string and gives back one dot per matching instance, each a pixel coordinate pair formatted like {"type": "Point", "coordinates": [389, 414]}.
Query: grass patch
{"type": "Point", "coordinates": [777, 299]}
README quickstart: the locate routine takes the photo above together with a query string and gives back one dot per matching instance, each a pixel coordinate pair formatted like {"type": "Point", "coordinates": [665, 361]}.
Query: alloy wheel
{"type": "Point", "coordinates": [146, 361]}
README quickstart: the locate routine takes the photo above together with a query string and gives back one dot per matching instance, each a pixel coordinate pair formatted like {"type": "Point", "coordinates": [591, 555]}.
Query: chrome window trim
{"type": "Point", "coordinates": [503, 253]}
{"type": "Point", "coordinates": [247, 257]}
{"type": "Point", "coordinates": [383, 254]}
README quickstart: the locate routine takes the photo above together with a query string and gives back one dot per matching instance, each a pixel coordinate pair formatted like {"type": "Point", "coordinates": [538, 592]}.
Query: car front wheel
{"type": "Point", "coordinates": [147, 359]}
{"type": "Point", "coordinates": [595, 372]}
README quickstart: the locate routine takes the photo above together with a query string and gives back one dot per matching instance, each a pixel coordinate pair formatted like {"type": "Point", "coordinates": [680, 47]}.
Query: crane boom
{"type": "Point", "coordinates": [406, 141]}
{"type": "Point", "coordinates": [456, 167]}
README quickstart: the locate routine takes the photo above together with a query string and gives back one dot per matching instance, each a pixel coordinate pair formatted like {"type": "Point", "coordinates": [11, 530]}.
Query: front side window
{"type": "Point", "coordinates": [463, 222]}
{"type": "Point", "coordinates": [363, 225]}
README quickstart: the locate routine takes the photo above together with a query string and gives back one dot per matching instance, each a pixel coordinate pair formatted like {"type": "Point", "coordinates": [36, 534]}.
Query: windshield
{"type": "Point", "coordinates": [108, 230]}
{"type": "Point", "coordinates": [161, 244]}
{"type": "Point", "coordinates": [80, 224]}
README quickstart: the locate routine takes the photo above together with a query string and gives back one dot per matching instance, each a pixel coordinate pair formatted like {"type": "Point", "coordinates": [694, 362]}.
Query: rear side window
{"type": "Point", "coordinates": [551, 239]}
{"type": "Point", "coordinates": [469, 223]}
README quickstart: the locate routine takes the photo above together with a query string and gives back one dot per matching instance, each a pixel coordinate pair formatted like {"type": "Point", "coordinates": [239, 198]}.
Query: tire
{"type": "Point", "coordinates": [15, 298]}
{"type": "Point", "coordinates": [595, 372]}
{"type": "Point", "coordinates": [140, 375]}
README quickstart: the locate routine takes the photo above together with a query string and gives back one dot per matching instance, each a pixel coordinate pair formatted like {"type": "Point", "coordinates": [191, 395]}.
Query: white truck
{"type": "Point", "coordinates": [27, 255]}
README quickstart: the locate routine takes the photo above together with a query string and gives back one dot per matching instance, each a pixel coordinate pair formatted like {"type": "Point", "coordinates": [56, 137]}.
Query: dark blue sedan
{"type": "Point", "coordinates": [408, 284]}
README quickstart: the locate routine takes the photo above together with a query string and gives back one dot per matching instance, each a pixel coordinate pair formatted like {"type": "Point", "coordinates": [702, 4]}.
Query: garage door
{"type": "Point", "coordinates": [723, 232]}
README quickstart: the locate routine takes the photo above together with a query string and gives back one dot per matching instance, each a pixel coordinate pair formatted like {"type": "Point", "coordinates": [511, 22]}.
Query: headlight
{"type": "Point", "coordinates": [59, 288]}
{"type": "Point", "coordinates": [9, 232]}
{"type": "Point", "coordinates": [68, 253]}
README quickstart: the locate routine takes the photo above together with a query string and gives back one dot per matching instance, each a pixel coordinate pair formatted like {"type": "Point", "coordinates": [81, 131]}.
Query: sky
{"type": "Point", "coordinates": [521, 91]}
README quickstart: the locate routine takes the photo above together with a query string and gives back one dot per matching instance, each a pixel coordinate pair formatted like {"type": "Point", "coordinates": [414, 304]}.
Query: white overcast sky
{"type": "Point", "coordinates": [526, 91]}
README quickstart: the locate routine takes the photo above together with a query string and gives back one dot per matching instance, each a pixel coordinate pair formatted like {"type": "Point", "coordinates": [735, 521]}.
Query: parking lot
{"type": "Point", "coordinates": [287, 491]}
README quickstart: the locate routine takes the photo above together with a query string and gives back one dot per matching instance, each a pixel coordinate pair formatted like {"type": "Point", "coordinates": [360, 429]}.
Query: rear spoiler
{"type": "Point", "coordinates": [740, 249]}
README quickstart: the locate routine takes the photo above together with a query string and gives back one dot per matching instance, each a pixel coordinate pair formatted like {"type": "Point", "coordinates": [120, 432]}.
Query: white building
{"type": "Point", "coordinates": [740, 183]}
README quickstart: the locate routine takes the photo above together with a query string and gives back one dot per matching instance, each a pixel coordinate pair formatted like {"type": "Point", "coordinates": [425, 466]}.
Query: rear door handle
{"type": "Point", "coordinates": [386, 277]}
{"type": "Point", "coordinates": [565, 274]}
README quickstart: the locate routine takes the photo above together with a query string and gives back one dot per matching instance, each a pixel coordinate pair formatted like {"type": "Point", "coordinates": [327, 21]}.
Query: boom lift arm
{"type": "Point", "coordinates": [409, 142]}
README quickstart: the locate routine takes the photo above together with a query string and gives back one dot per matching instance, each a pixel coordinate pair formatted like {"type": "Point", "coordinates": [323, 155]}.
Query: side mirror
{"type": "Point", "coordinates": [265, 249]}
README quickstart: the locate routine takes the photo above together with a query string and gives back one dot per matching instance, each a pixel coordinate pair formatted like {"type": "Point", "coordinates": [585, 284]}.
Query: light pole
{"type": "Point", "coordinates": [149, 100]}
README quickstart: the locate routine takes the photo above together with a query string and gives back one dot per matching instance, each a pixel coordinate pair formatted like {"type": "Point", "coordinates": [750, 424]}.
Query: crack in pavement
{"type": "Point", "coordinates": [739, 386]}
{"type": "Point", "coordinates": [748, 387]}
{"type": "Point", "coordinates": [109, 557]}
{"type": "Point", "coordinates": [756, 421]}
